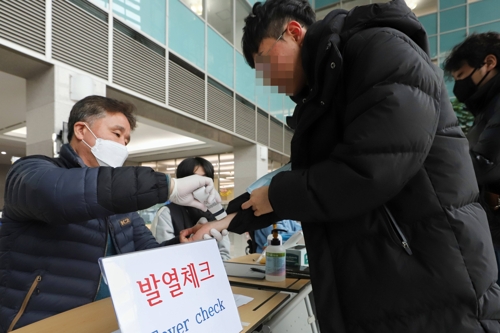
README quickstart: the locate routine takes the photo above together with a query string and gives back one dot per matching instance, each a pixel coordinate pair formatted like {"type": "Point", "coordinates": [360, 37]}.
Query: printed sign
{"type": "Point", "coordinates": [173, 289]}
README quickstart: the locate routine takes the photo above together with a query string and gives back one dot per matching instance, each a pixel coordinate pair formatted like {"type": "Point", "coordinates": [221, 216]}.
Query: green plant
{"type": "Point", "coordinates": [465, 118]}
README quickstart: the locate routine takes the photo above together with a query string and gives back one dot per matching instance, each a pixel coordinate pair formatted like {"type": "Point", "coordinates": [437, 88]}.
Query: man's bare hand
{"type": "Point", "coordinates": [259, 201]}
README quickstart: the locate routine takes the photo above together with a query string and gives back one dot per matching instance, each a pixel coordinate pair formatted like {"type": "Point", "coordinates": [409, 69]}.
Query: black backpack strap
{"type": "Point", "coordinates": [186, 217]}
{"type": "Point", "coordinates": [178, 217]}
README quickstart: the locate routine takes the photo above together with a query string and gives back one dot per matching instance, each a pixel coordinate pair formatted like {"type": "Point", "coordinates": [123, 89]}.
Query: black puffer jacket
{"type": "Point", "coordinates": [375, 128]}
{"type": "Point", "coordinates": [484, 141]}
{"type": "Point", "coordinates": [55, 224]}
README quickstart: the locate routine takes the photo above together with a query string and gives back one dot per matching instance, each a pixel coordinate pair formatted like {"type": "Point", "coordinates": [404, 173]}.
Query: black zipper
{"type": "Point", "coordinates": [398, 231]}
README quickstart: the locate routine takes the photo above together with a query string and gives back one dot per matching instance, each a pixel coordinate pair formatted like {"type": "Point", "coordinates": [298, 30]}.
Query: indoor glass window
{"type": "Point", "coordinates": [186, 35]}
{"type": "Point", "coordinates": [242, 10]}
{"type": "Point", "coordinates": [220, 17]}
{"type": "Point", "coordinates": [196, 6]}
{"type": "Point", "coordinates": [148, 16]}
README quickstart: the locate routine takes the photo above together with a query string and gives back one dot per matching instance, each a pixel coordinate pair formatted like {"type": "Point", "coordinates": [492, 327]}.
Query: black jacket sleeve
{"type": "Point", "coordinates": [37, 189]}
{"type": "Point", "coordinates": [245, 220]}
{"type": "Point", "coordinates": [389, 125]}
{"type": "Point", "coordinates": [127, 189]}
{"type": "Point", "coordinates": [486, 153]}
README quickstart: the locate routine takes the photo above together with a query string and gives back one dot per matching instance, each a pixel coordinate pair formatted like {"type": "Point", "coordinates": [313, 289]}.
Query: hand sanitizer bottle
{"type": "Point", "coordinates": [275, 259]}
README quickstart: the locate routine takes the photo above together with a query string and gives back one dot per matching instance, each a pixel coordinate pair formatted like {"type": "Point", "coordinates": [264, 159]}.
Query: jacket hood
{"type": "Point", "coordinates": [340, 25]}
{"type": "Point", "coordinates": [394, 14]}
{"type": "Point", "coordinates": [319, 38]}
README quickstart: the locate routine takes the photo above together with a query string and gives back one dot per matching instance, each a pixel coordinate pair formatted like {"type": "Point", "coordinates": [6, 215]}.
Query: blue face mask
{"type": "Point", "coordinates": [266, 179]}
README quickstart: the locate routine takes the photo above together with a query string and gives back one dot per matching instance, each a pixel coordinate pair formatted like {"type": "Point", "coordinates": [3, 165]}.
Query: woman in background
{"type": "Point", "coordinates": [172, 218]}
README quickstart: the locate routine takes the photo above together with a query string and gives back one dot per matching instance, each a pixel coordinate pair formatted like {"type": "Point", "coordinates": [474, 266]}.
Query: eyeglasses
{"type": "Point", "coordinates": [277, 40]}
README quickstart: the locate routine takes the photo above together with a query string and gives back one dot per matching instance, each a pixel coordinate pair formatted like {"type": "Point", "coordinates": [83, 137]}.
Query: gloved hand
{"type": "Point", "coordinates": [182, 191]}
{"type": "Point", "coordinates": [214, 233]}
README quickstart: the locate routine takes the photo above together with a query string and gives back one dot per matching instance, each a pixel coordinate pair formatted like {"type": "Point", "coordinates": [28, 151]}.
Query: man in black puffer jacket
{"type": "Point", "coordinates": [381, 177]}
{"type": "Point", "coordinates": [62, 214]}
{"type": "Point", "coordinates": [475, 64]}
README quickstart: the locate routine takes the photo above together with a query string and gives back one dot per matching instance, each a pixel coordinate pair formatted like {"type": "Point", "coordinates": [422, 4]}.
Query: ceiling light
{"type": "Point", "coordinates": [3, 153]}
{"type": "Point", "coordinates": [197, 8]}
{"type": "Point", "coordinates": [411, 3]}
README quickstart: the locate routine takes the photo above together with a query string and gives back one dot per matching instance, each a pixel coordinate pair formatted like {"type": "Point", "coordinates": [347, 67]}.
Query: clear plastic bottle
{"type": "Point", "coordinates": [275, 260]}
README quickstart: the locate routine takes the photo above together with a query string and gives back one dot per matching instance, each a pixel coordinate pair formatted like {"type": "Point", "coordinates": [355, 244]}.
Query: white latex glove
{"type": "Point", "coordinates": [214, 233]}
{"type": "Point", "coordinates": [183, 188]}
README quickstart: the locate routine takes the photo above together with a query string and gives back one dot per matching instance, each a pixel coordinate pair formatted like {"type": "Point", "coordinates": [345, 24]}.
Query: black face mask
{"type": "Point", "coordinates": [465, 88]}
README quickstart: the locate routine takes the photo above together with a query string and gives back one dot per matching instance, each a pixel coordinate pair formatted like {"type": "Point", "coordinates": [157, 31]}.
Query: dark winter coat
{"type": "Point", "coordinates": [55, 223]}
{"type": "Point", "coordinates": [375, 129]}
{"type": "Point", "coordinates": [484, 141]}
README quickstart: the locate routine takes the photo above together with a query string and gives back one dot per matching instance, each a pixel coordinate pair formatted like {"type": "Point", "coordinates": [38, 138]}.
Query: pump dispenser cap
{"type": "Point", "coordinates": [275, 241]}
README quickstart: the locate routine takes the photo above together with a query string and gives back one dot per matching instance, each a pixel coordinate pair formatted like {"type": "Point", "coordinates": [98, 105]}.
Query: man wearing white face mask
{"type": "Point", "coordinates": [62, 214]}
{"type": "Point", "coordinates": [107, 152]}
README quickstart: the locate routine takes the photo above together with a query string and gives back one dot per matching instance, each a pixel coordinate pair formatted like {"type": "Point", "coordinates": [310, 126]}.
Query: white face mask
{"type": "Point", "coordinates": [107, 152]}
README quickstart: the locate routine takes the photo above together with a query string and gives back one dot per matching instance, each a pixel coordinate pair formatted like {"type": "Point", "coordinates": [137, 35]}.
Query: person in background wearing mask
{"type": "Point", "coordinates": [261, 235]}
{"type": "Point", "coordinates": [474, 64]}
{"type": "Point", "coordinates": [62, 214]}
{"type": "Point", "coordinates": [172, 218]}
{"type": "Point", "coordinates": [381, 178]}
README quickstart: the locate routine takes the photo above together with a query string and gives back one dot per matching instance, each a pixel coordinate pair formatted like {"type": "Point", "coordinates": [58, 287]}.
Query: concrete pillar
{"type": "Point", "coordinates": [40, 98]}
{"type": "Point", "coordinates": [250, 163]}
{"type": "Point", "coordinates": [50, 95]}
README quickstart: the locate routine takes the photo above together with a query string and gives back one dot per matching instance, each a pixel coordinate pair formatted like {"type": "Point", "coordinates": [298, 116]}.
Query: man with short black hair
{"type": "Point", "coordinates": [475, 64]}
{"type": "Point", "coordinates": [381, 178]}
{"type": "Point", "coordinates": [62, 214]}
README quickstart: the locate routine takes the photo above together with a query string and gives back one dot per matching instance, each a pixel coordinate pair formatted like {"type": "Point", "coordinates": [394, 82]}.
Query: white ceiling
{"type": "Point", "coordinates": [146, 138]}
{"type": "Point", "coordinates": [12, 148]}
{"type": "Point", "coordinates": [152, 140]}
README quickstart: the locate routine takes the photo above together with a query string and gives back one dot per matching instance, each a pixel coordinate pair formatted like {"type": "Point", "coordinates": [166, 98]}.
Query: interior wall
{"type": "Point", "coordinates": [3, 174]}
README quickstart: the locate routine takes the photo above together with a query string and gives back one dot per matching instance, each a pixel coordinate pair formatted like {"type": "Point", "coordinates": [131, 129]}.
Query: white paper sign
{"type": "Point", "coordinates": [173, 289]}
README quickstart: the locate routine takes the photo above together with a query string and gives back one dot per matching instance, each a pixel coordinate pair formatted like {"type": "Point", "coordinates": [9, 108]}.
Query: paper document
{"type": "Point", "coordinates": [242, 299]}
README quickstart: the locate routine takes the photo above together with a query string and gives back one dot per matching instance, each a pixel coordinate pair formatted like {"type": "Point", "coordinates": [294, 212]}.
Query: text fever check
{"type": "Point", "coordinates": [172, 289]}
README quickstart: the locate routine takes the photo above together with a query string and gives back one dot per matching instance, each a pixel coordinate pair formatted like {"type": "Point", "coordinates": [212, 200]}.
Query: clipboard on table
{"type": "Point", "coordinates": [252, 271]}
